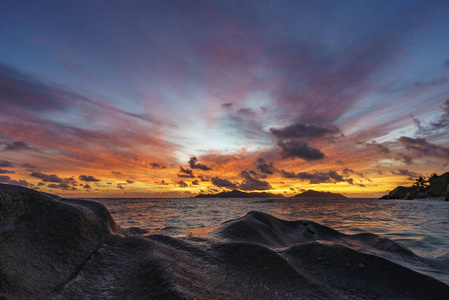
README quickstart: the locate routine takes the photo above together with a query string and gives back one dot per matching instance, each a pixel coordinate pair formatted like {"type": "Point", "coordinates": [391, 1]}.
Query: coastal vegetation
{"type": "Point", "coordinates": [436, 186]}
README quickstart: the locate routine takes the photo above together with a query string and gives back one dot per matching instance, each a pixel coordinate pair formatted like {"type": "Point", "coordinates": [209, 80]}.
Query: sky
{"type": "Point", "coordinates": [175, 98]}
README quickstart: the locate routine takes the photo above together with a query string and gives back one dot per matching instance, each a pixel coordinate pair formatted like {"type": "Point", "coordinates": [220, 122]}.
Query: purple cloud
{"type": "Point", "coordinates": [185, 173]}
{"type": "Point", "coordinates": [305, 131]}
{"type": "Point", "coordinates": [88, 178]}
{"type": "Point", "coordinates": [223, 183]}
{"type": "Point", "coordinates": [8, 180]}
{"type": "Point", "coordinates": [17, 146]}
{"type": "Point", "coordinates": [194, 164]}
{"type": "Point", "coordinates": [6, 164]}
{"type": "Point", "coordinates": [250, 183]}
{"type": "Point", "coordinates": [47, 178]}
{"type": "Point", "coordinates": [299, 149]}
{"type": "Point", "coordinates": [421, 147]}
{"type": "Point", "coordinates": [3, 171]}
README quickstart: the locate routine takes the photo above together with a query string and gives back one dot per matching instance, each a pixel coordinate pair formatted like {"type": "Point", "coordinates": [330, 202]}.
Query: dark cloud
{"type": "Point", "coordinates": [29, 166]}
{"type": "Point", "coordinates": [227, 105]}
{"type": "Point", "coordinates": [424, 148]}
{"type": "Point", "coordinates": [88, 178]}
{"type": "Point", "coordinates": [403, 172]}
{"type": "Point", "coordinates": [246, 112]}
{"type": "Point", "coordinates": [299, 149]}
{"type": "Point", "coordinates": [194, 164]}
{"type": "Point", "coordinates": [260, 160]}
{"type": "Point", "coordinates": [318, 177]}
{"type": "Point", "coordinates": [443, 122]}
{"type": "Point", "coordinates": [378, 147]}
{"type": "Point", "coordinates": [129, 181]}
{"type": "Point", "coordinates": [41, 184]}
{"type": "Point", "coordinates": [417, 123]}
{"type": "Point", "coordinates": [86, 186]}
{"type": "Point", "coordinates": [438, 129]}
{"type": "Point", "coordinates": [116, 173]}
{"type": "Point", "coordinates": [5, 179]}
{"type": "Point", "coordinates": [250, 183]}
{"type": "Point", "coordinates": [305, 131]}
{"type": "Point", "coordinates": [8, 180]}
{"type": "Point", "coordinates": [224, 183]}
{"type": "Point", "coordinates": [47, 178]}
{"type": "Point", "coordinates": [63, 186]}
{"type": "Point", "coordinates": [182, 184]}
{"type": "Point", "coordinates": [16, 146]}
{"type": "Point", "coordinates": [347, 172]}
{"type": "Point", "coordinates": [404, 158]}
{"type": "Point", "coordinates": [119, 186]}
{"type": "Point", "coordinates": [353, 182]}
{"type": "Point", "coordinates": [203, 178]}
{"type": "Point", "coordinates": [3, 171]}
{"type": "Point", "coordinates": [6, 164]}
{"type": "Point", "coordinates": [288, 174]}
{"type": "Point", "coordinates": [185, 176]}
{"type": "Point", "coordinates": [154, 165]}
{"type": "Point", "coordinates": [195, 182]}
{"type": "Point", "coordinates": [186, 173]}
{"type": "Point", "coordinates": [266, 168]}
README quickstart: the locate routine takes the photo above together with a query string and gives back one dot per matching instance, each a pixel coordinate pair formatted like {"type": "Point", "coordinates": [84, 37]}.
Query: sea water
{"type": "Point", "coordinates": [420, 225]}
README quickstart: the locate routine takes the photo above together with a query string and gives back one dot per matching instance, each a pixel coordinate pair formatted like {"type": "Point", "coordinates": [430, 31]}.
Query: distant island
{"type": "Point", "coordinates": [437, 186]}
{"type": "Point", "coordinates": [240, 194]}
{"type": "Point", "coordinates": [317, 194]}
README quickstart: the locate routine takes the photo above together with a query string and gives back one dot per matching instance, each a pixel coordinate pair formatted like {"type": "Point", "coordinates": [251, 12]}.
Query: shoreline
{"type": "Point", "coordinates": [74, 249]}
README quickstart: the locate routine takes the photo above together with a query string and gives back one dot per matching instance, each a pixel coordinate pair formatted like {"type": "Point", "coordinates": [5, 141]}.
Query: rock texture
{"type": "Point", "coordinates": [54, 248]}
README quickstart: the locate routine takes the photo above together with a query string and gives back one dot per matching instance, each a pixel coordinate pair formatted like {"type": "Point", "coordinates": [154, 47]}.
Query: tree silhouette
{"type": "Point", "coordinates": [421, 183]}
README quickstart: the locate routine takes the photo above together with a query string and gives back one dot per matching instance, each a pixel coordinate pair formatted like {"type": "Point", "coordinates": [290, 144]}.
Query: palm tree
{"type": "Point", "coordinates": [421, 183]}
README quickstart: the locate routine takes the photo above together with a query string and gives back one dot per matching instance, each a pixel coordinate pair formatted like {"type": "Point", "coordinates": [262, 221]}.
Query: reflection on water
{"type": "Point", "coordinates": [422, 226]}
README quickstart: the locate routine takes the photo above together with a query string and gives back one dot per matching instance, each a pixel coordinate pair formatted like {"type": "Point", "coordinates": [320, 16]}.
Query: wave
{"type": "Point", "coordinates": [54, 248]}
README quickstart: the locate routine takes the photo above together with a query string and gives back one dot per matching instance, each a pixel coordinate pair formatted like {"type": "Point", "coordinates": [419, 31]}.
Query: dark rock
{"type": "Point", "coordinates": [135, 230]}
{"type": "Point", "coordinates": [401, 192]}
{"type": "Point", "coordinates": [437, 188]}
{"type": "Point", "coordinates": [54, 248]}
{"type": "Point", "coordinates": [438, 185]}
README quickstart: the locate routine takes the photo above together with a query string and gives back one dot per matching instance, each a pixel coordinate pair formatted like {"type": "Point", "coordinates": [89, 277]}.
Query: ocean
{"type": "Point", "coordinates": [420, 225]}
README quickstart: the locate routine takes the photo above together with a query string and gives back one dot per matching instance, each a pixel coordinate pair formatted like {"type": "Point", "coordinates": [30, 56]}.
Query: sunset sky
{"type": "Point", "coordinates": [173, 98]}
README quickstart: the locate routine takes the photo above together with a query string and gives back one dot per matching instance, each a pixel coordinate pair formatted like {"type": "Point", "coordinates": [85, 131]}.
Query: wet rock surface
{"type": "Point", "coordinates": [54, 248]}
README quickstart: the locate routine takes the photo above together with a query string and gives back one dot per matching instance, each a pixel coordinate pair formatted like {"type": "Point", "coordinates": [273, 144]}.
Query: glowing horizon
{"type": "Point", "coordinates": [172, 98]}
